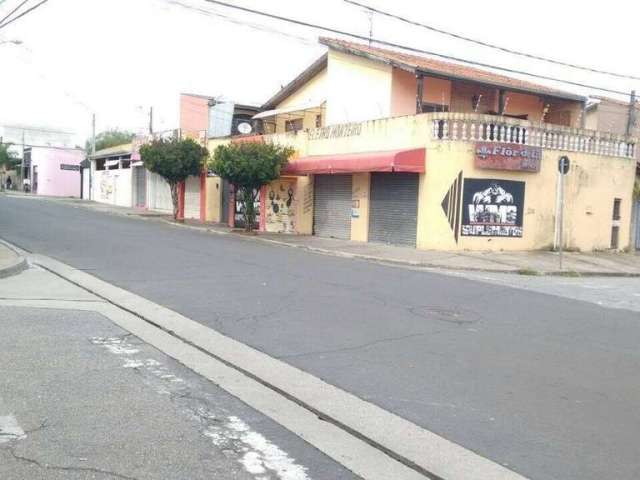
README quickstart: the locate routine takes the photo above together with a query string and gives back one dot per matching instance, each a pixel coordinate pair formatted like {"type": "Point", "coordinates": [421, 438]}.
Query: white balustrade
{"type": "Point", "coordinates": [484, 128]}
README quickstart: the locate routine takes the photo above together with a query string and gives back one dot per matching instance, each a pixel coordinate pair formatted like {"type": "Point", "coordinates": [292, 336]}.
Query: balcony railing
{"type": "Point", "coordinates": [488, 128]}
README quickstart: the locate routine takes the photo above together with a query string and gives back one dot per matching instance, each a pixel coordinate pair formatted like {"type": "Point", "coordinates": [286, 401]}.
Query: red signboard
{"type": "Point", "coordinates": [508, 156]}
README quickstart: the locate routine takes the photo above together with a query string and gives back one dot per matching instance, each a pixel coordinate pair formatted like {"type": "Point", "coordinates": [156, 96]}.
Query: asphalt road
{"type": "Point", "coordinates": [546, 385]}
{"type": "Point", "coordinates": [82, 399]}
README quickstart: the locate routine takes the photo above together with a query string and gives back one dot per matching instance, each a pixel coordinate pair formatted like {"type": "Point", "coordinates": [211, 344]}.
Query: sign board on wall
{"type": "Point", "coordinates": [508, 156]}
{"type": "Point", "coordinates": [492, 208]}
{"type": "Point", "coordinates": [67, 166]}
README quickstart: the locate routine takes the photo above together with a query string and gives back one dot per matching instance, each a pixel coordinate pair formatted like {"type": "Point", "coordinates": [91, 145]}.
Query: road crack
{"type": "Point", "coordinates": [32, 461]}
{"type": "Point", "coordinates": [359, 347]}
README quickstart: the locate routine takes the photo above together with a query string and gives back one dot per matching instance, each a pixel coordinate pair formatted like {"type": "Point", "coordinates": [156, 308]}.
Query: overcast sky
{"type": "Point", "coordinates": [119, 57]}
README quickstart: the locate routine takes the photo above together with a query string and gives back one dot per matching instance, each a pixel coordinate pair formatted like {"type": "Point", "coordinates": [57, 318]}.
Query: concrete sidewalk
{"type": "Point", "coordinates": [524, 263]}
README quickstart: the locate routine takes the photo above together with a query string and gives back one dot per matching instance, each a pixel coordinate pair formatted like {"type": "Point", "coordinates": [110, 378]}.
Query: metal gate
{"type": "Point", "coordinates": [332, 206]}
{"type": "Point", "coordinates": [226, 195]}
{"type": "Point", "coordinates": [86, 182]}
{"type": "Point", "coordinates": [393, 216]}
{"type": "Point", "coordinates": [192, 197]}
{"type": "Point", "coordinates": [141, 186]}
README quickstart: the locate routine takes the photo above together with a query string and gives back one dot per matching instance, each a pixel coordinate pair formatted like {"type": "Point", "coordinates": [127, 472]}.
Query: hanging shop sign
{"type": "Point", "coordinates": [492, 208]}
{"type": "Point", "coordinates": [508, 156]}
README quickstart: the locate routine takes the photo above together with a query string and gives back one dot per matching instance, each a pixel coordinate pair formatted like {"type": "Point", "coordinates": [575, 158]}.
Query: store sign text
{"type": "Point", "coordinates": [508, 156]}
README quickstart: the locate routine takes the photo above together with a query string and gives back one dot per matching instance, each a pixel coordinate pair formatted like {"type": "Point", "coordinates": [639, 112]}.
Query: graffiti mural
{"type": "Point", "coordinates": [107, 186]}
{"type": "Point", "coordinates": [492, 208]}
{"type": "Point", "coordinates": [281, 207]}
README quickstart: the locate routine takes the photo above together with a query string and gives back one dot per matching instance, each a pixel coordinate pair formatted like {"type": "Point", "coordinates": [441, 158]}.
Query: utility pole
{"type": "Point", "coordinates": [151, 120]}
{"type": "Point", "coordinates": [631, 120]}
{"type": "Point", "coordinates": [22, 162]}
{"type": "Point", "coordinates": [93, 152]}
{"type": "Point", "coordinates": [93, 134]}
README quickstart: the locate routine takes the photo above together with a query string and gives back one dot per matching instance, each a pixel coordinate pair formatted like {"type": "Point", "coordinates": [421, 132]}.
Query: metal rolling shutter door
{"type": "Point", "coordinates": [393, 217]}
{"type": "Point", "coordinates": [332, 206]}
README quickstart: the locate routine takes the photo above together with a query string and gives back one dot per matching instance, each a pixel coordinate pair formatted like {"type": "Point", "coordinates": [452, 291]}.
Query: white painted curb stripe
{"type": "Point", "coordinates": [423, 449]}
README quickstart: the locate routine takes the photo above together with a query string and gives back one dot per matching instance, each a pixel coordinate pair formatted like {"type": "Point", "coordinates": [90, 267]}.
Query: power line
{"type": "Point", "coordinates": [491, 45]}
{"type": "Point", "coordinates": [413, 49]}
{"type": "Point", "coordinates": [254, 26]}
{"type": "Point", "coordinates": [13, 11]}
{"type": "Point", "coordinates": [2, 25]}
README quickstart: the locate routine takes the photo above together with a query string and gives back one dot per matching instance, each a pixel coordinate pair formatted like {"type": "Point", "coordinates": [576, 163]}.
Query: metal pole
{"type": "Point", "coordinates": [631, 119]}
{"type": "Point", "coordinates": [93, 152]}
{"type": "Point", "coordinates": [93, 134]}
{"type": "Point", "coordinates": [151, 120]}
{"type": "Point", "coordinates": [22, 163]}
{"type": "Point", "coordinates": [561, 219]}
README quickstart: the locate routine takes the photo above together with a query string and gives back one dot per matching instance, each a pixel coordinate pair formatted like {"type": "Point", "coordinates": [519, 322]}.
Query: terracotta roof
{"type": "Point", "coordinates": [445, 69]}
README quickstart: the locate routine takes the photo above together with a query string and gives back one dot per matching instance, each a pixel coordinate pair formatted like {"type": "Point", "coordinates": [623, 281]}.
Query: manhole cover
{"type": "Point", "coordinates": [450, 315]}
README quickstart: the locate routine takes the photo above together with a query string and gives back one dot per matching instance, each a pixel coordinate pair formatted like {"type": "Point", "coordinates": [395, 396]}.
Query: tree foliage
{"type": "Point", "coordinates": [249, 166]}
{"type": "Point", "coordinates": [110, 138]}
{"type": "Point", "coordinates": [8, 159]}
{"type": "Point", "coordinates": [174, 160]}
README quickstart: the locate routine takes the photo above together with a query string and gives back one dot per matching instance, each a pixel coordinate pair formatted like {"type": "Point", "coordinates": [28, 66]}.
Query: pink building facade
{"type": "Point", "coordinates": [55, 171]}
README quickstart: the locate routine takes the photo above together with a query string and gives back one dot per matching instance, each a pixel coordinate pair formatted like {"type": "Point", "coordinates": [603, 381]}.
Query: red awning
{"type": "Point", "coordinates": [412, 161]}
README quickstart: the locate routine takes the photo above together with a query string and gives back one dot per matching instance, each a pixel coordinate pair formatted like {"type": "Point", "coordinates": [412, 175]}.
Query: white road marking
{"type": "Point", "coordinates": [10, 430]}
{"type": "Point", "coordinates": [260, 457]}
{"type": "Point", "coordinates": [115, 345]}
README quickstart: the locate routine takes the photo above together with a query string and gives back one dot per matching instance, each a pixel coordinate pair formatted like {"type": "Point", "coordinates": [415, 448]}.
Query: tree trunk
{"type": "Point", "coordinates": [248, 200]}
{"type": "Point", "coordinates": [174, 199]}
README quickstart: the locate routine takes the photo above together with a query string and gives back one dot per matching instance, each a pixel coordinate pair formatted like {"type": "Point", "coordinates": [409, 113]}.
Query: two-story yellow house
{"type": "Point", "coordinates": [403, 149]}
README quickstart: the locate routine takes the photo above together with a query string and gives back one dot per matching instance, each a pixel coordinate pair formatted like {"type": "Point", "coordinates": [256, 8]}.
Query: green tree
{"type": "Point", "coordinates": [110, 138]}
{"type": "Point", "coordinates": [8, 161]}
{"type": "Point", "coordinates": [174, 160]}
{"type": "Point", "coordinates": [249, 166]}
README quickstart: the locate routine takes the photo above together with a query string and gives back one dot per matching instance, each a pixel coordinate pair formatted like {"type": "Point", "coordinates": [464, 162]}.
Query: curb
{"type": "Point", "coordinates": [414, 452]}
{"type": "Point", "coordinates": [14, 268]}
{"type": "Point", "coordinates": [406, 263]}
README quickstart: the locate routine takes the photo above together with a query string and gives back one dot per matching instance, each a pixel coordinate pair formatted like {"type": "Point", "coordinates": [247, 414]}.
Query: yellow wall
{"type": "Point", "coordinates": [281, 206]}
{"type": "Point", "coordinates": [314, 92]}
{"type": "Point", "coordinates": [360, 188]}
{"type": "Point", "coordinates": [357, 89]}
{"type": "Point", "coordinates": [214, 199]}
{"type": "Point", "coordinates": [591, 186]}
{"type": "Point", "coordinates": [304, 213]}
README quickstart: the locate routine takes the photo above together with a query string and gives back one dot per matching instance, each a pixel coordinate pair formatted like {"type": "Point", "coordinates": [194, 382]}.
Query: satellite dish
{"type": "Point", "coordinates": [244, 128]}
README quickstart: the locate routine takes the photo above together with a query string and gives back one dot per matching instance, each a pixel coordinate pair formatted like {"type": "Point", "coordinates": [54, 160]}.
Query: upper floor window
{"type": "Point", "coordinates": [434, 108]}
{"type": "Point", "coordinates": [293, 125]}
